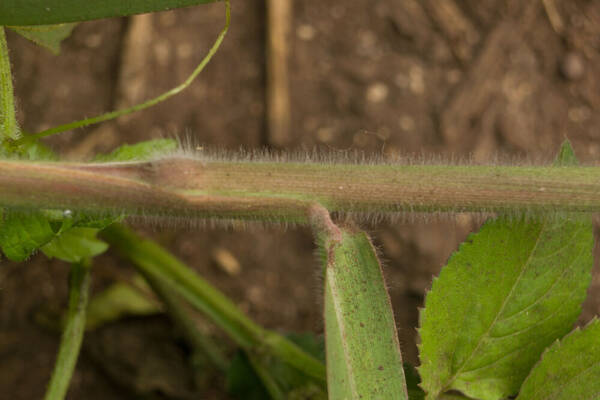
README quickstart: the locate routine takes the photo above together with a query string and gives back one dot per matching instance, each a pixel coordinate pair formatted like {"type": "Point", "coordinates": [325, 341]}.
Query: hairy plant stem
{"type": "Point", "coordinates": [9, 128]}
{"type": "Point", "coordinates": [79, 282]}
{"type": "Point", "coordinates": [270, 191]}
{"type": "Point", "coordinates": [154, 261]}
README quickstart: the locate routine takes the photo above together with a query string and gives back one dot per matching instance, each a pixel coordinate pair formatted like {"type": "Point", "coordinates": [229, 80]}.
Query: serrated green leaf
{"type": "Point", "coordinates": [510, 291]}
{"type": "Point", "coordinates": [139, 151]}
{"type": "Point", "coordinates": [44, 12]}
{"type": "Point", "coordinates": [363, 353]}
{"type": "Point", "coordinates": [569, 369]}
{"type": "Point", "coordinates": [48, 36]}
{"type": "Point", "coordinates": [21, 233]}
{"type": "Point", "coordinates": [75, 245]}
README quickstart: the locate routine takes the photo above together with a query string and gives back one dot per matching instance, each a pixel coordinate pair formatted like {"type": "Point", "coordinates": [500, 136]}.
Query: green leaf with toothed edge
{"type": "Point", "coordinates": [75, 245]}
{"type": "Point", "coordinates": [508, 293]}
{"type": "Point", "coordinates": [363, 353]}
{"type": "Point", "coordinates": [21, 233]}
{"type": "Point", "coordinates": [569, 369]}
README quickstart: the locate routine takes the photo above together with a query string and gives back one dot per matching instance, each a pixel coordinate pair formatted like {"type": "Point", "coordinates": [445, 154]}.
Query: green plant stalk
{"type": "Point", "coordinates": [79, 282]}
{"type": "Point", "coordinates": [200, 343]}
{"type": "Point", "coordinates": [363, 352]}
{"type": "Point", "coordinates": [153, 260]}
{"type": "Point", "coordinates": [43, 12]}
{"type": "Point", "coordinates": [149, 103]}
{"type": "Point", "coordinates": [9, 128]}
{"type": "Point", "coordinates": [270, 191]}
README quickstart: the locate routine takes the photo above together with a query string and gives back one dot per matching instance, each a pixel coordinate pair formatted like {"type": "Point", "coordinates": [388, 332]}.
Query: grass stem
{"type": "Point", "coordinates": [79, 282]}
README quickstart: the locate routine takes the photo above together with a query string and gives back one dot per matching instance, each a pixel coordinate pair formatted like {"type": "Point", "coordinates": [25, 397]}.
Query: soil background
{"type": "Point", "coordinates": [477, 79]}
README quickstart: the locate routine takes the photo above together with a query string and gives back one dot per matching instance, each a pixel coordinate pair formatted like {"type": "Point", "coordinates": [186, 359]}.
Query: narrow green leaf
{"type": "Point", "coordinates": [48, 36]}
{"type": "Point", "coordinates": [510, 291]}
{"type": "Point", "coordinates": [46, 12]}
{"type": "Point", "coordinates": [75, 245]}
{"type": "Point", "coordinates": [139, 151]}
{"type": "Point", "coordinates": [569, 369]}
{"type": "Point", "coordinates": [363, 353]}
{"type": "Point", "coordinates": [153, 260]}
{"type": "Point", "coordinates": [21, 233]}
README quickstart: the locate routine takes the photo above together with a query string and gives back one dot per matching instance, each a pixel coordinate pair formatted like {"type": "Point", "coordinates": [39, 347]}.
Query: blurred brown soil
{"type": "Point", "coordinates": [456, 78]}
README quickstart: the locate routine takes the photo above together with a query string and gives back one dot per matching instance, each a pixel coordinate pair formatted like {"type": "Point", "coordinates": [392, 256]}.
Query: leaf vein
{"type": "Point", "coordinates": [509, 295]}
{"type": "Point", "coordinates": [559, 279]}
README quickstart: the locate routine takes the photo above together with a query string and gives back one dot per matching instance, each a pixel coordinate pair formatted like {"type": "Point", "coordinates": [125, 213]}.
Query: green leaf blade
{"type": "Point", "coordinates": [48, 36]}
{"type": "Point", "coordinates": [509, 292]}
{"type": "Point", "coordinates": [363, 353]}
{"type": "Point", "coordinates": [75, 245]}
{"type": "Point", "coordinates": [21, 233]}
{"type": "Point", "coordinates": [46, 12]}
{"type": "Point", "coordinates": [569, 369]}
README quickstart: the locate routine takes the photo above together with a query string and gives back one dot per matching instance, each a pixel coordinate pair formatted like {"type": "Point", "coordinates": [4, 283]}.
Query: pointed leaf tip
{"type": "Point", "coordinates": [566, 155]}
{"type": "Point", "coordinates": [48, 36]}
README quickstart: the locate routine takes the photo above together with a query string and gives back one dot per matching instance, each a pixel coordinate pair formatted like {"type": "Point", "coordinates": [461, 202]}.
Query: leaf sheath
{"type": "Point", "coordinates": [363, 352]}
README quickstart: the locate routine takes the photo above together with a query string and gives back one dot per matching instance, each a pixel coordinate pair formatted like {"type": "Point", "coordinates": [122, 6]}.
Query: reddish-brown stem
{"type": "Point", "coordinates": [186, 187]}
